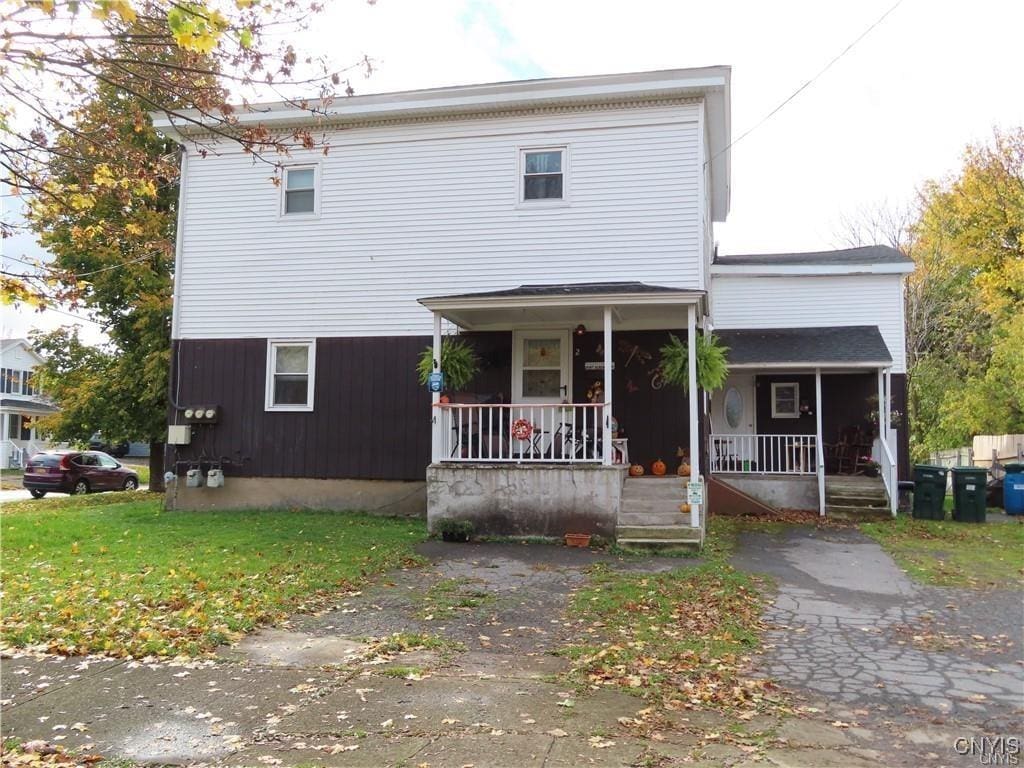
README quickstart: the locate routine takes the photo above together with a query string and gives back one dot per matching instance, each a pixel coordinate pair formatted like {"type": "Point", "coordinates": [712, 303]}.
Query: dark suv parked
{"type": "Point", "coordinates": [77, 472]}
{"type": "Point", "coordinates": [119, 450]}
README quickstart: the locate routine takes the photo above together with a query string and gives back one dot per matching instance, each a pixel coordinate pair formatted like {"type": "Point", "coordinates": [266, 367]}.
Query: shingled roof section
{"type": "Point", "coordinates": [566, 289]}
{"type": "Point", "coordinates": [836, 345]}
{"type": "Point", "coordinates": [869, 254]}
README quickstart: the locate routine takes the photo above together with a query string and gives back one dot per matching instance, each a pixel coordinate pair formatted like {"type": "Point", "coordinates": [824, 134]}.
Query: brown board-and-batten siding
{"type": "Point", "coordinates": [370, 417]}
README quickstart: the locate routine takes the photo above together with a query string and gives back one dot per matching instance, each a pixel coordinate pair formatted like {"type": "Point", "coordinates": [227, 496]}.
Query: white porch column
{"type": "Point", "coordinates": [691, 345]}
{"type": "Point", "coordinates": [606, 434]}
{"type": "Point", "coordinates": [436, 437]}
{"type": "Point", "coordinates": [819, 446]}
{"type": "Point", "coordinates": [883, 409]}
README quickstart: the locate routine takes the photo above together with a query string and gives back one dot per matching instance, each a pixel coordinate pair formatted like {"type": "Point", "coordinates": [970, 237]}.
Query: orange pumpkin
{"type": "Point", "coordinates": [636, 470]}
{"type": "Point", "coordinates": [684, 470]}
{"type": "Point", "coordinates": [658, 467]}
{"type": "Point", "coordinates": [684, 508]}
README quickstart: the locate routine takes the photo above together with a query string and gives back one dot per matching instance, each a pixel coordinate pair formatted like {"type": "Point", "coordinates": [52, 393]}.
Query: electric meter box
{"type": "Point", "coordinates": [179, 434]}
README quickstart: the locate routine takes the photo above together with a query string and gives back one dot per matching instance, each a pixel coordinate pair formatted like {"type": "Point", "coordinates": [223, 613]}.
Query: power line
{"type": "Point", "coordinates": [82, 274]}
{"type": "Point", "coordinates": [799, 90]}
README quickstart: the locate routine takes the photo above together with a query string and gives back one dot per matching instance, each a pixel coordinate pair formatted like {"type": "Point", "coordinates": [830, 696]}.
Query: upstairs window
{"type": "Point", "coordinates": [300, 190]}
{"type": "Point", "coordinates": [290, 369]}
{"type": "Point", "coordinates": [543, 172]}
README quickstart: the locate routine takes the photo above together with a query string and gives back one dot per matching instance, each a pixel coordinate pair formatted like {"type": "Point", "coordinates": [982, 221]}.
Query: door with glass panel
{"type": "Point", "coordinates": [541, 370]}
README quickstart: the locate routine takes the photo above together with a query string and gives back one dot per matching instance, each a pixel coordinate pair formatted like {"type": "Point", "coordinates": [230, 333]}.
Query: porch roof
{"type": "Point", "coordinates": [635, 306]}
{"type": "Point", "coordinates": [14, 405]}
{"type": "Point", "coordinates": [851, 346]}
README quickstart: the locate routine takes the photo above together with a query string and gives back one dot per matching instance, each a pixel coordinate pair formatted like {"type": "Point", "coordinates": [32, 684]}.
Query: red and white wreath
{"type": "Point", "coordinates": [522, 429]}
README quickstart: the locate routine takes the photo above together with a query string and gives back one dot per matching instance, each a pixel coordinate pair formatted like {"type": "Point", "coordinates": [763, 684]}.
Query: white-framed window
{"type": "Point", "coordinates": [291, 369]}
{"type": "Point", "coordinates": [300, 190]}
{"type": "Point", "coordinates": [543, 175]}
{"type": "Point", "coordinates": [785, 400]}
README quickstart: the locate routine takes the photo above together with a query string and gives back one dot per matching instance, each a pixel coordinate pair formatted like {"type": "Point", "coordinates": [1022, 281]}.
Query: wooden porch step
{"type": "Point", "coordinates": [655, 545]}
{"type": "Point", "coordinates": [669, 532]}
{"type": "Point", "coordinates": [845, 512]}
{"type": "Point", "coordinates": [651, 505]}
{"type": "Point", "coordinates": [858, 500]}
{"type": "Point", "coordinates": [671, 517]}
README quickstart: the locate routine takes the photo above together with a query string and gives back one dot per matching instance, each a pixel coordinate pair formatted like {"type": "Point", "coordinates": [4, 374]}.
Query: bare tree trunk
{"type": "Point", "coordinates": [156, 466]}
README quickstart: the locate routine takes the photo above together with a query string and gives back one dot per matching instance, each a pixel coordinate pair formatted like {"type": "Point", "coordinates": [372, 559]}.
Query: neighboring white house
{"type": "Point", "coordinates": [564, 228]}
{"type": "Point", "coordinates": [21, 403]}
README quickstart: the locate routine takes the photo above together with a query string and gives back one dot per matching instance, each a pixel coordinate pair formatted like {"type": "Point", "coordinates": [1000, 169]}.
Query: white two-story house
{"type": "Point", "coordinates": [563, 228]}
{"type": "Point", "coordinates": [21, 403]}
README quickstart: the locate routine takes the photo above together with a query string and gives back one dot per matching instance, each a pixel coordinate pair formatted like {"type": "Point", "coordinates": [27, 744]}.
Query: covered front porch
{"type": "Point", "coordinates": [800, 410]}
{"type": "Point", "coordinates": [568, 396]}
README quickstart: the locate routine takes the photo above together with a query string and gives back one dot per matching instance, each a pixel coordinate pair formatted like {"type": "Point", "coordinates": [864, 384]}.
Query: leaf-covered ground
{"type": "Point", "coordinates": [684, 636]}
{"type": "Point", "coordinates": [951, 554]}
{"type": "Point", "coordinates": [130, 579]}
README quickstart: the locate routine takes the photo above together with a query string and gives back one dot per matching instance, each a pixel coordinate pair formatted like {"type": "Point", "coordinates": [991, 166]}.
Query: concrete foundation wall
{"type": "Point", "coordinates": [525, 500]}
{"type": "Point", "coordinates": [777, 491]}
{"type": "Point", "coordinates": [393, 498]}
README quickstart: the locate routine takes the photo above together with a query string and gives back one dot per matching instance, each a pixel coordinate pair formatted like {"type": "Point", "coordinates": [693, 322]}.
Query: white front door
{"type": "Point", "coordinates": [734, 445]}
{"type": "Point", "coordinates": [733, 410]}
{"type": "Point", "coordinates": [541, 367]}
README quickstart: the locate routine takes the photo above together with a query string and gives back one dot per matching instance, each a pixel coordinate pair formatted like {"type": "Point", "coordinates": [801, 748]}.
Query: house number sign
{"type": "Point", "coordinates": [435, 381]}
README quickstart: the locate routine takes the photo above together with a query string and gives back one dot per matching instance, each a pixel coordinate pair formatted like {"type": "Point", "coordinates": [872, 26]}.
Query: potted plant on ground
{"type": "Point", "coordinates": [454, 530]}
{"type": "Point", "coordinates": [871, 467]}
{"type": "Point", "coordinates": [459, 363]}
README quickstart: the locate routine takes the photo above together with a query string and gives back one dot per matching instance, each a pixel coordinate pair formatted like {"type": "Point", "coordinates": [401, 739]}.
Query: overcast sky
{"type": "Point", "coordinates": [896, 110]}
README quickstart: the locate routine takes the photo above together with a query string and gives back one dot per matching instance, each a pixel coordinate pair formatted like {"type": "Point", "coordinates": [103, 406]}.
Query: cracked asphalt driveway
{"type": "Point", "coordinates": [852, 633]}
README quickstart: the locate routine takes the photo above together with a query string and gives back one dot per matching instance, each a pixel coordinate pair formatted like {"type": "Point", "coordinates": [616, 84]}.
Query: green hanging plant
{"type": "Point", "coordinates": [459, 363]}
{"type": "Point", "coordinates": [712, 367]}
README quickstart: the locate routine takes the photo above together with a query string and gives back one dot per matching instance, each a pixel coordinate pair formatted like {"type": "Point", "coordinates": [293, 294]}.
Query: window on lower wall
{"type": "Point", "coordinates": [785, 400]}
{"type": "Point", "coordinates": [291, 366]}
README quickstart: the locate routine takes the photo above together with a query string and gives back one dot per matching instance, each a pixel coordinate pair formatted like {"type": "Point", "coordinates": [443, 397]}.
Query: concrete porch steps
{"type": "Point", "coordinates": [856, 497]}
{"type": "Point", "coordinates": [649, 516]}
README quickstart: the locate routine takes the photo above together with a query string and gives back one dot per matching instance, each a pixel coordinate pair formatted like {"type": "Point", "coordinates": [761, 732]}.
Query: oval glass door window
{"type": "Point", "coordinates": [733, 407]}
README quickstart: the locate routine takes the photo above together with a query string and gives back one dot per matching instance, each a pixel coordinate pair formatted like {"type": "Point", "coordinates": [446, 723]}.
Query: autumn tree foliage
{"type": "Point", "coordinates": [78, 80]}
{"type": "Point", "coordinates": [966, 299]}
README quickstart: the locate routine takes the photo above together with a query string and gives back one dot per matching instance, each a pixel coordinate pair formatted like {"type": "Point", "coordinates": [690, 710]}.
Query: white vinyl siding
{"type": "Point", "coordinates": [431, 208]}
{"type": "Point", "coordinates": [806, 301]}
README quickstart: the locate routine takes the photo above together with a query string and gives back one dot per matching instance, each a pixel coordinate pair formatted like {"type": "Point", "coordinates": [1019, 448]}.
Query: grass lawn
{"type": "Point", "coordinates": [683, 635]}
{"type": "Point", "coordinates": [98, 574]}
{"type": "Point", "coordinates": [10, 479]}
{"type": "Point", "coordinates": [954, 554]}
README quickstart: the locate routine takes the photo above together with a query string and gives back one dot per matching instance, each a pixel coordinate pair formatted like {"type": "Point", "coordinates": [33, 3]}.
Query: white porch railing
{"type": "Point", "coordinates": [764, 454]}
{"type": "Point", "coordinates": [560, 433]}
{"type": "Point", "coordinates": [13, 456]}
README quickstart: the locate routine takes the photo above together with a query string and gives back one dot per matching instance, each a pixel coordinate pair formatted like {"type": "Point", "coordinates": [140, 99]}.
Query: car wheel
{"type": "Point", "coordinates": [130, 484]}
{"type": "Point", "coordinates": [37, 494]}
{"type": "Point", "coordinates": [80, 487]}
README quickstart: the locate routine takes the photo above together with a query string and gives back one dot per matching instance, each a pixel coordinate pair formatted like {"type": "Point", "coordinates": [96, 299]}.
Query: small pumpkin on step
{"type": "Point", "coordinates": [684, 462]}
{"type": "Point", "coordinates": [658, 467]}
{"type": "Point", "coordinates": [636, 470]}
{"type": "Point", "coordinates": [684, 508]}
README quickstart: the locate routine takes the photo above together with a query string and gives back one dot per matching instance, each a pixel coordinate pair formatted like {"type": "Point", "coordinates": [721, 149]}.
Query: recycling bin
{"type": "Point", "coordinates": [1013, 489]}
{"type": "Point", "coordinates": [929, 492]}
{"type": "Point", "coordinates": [969, 490]}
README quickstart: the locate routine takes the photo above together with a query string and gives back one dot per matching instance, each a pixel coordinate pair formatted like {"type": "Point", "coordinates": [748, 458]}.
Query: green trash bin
{"type": "Point", "coordinates": [929, 492]}
{"type": "Point", "coordinates": [969, 487]}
